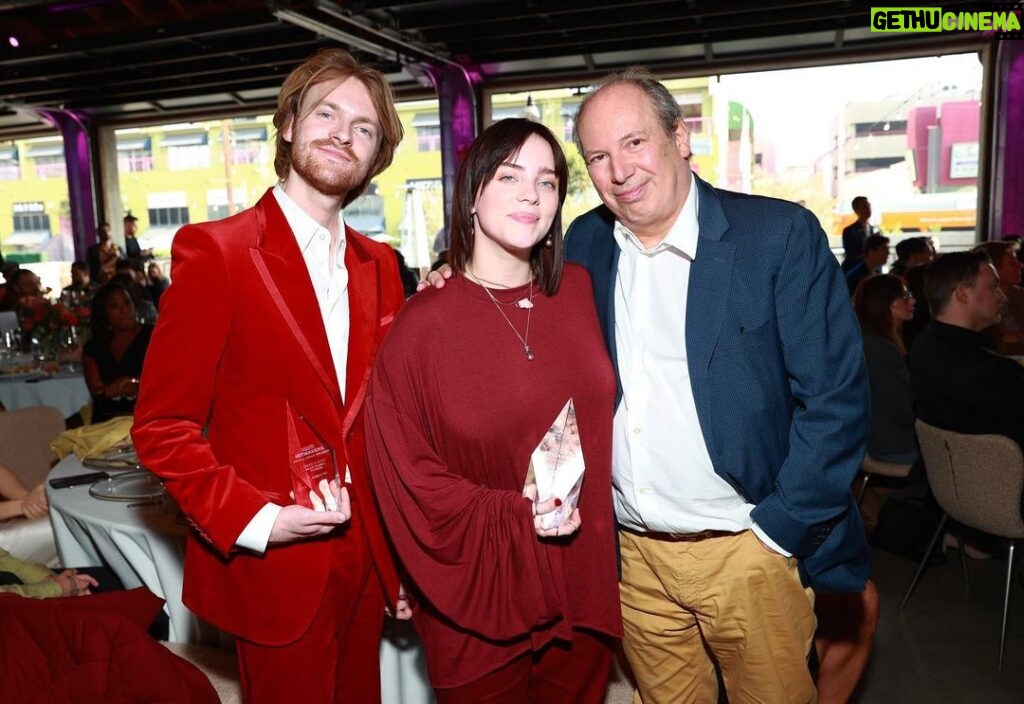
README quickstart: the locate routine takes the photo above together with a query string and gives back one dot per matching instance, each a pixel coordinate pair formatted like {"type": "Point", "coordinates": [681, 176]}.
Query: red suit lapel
{"type": "Point", "coordinates": [283, 271]}
{"type": "Point", "coordinates": [364, 323]}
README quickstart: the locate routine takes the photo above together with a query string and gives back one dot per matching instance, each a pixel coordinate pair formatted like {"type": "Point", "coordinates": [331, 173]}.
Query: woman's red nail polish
{"type": "Point", "coordinates": [558, 502]}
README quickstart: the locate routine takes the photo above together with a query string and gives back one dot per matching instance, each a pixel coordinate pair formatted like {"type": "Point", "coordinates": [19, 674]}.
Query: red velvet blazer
{"type": "Point", "coordinates": [239, 339]}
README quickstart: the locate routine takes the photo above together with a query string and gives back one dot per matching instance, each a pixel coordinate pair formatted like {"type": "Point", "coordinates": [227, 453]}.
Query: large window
{"type": "Point", "coordinates": [188, 157]}
{"type": "Point", "coordinates": [692, 107]}
{"type": "Point", "coordinates": [187, 151]}
{"type": "Point", "coordinates": [51, 166]}
{"type": "Point", "coordinates": [168, 217]}
{"type": "Point", "coordinates": [428, 138]}
{"type": "Point", "coordinates": [10, 168]}
{"type": "Point", "coordinates": [249, 145]}
{"type": "Point", "coordinates": [217, 202]}
{"type": "Point", "coordinates": [31, 222]}
{"type": "Point", "coordinates": [862, 130]}
{"type": "Point", "coordinates": [134, 154]}
{"type": "Point", "coordinates": [133, 161]}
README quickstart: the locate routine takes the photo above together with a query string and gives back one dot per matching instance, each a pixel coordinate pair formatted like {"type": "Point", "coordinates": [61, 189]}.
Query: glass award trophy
{"type": "Point", "coordinates": [557, 466]}
{"type": "Point", "coordinates": [313, 465]}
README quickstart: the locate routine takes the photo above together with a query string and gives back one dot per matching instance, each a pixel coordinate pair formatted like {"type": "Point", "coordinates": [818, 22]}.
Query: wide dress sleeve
{"type": "Point", "coordinates": [470, 550]}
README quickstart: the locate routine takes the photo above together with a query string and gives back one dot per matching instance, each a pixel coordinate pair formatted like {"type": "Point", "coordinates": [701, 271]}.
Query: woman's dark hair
{"type": "Point", "coordinates": [496, 145]}
{"type": "Point", "coordinates": [872, 303]}
{"type": "Point", "coordinates": [100, 324]}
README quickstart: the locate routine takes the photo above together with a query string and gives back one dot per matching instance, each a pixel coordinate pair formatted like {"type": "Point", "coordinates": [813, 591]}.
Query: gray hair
{"type": "Point", "coordinates": [662, 102]}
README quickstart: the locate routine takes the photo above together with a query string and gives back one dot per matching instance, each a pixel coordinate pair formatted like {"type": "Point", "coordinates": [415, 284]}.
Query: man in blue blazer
{"type": "Point", "coordinates": [742, 412]}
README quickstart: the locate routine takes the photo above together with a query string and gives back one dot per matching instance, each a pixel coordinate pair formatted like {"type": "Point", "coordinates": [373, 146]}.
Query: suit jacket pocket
{"type": "Point", "coordinates": [739, 338]}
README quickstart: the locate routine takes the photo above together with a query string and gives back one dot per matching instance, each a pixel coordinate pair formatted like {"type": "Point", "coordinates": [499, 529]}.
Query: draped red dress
{"type": "Point", "coordinates": [453, 412]}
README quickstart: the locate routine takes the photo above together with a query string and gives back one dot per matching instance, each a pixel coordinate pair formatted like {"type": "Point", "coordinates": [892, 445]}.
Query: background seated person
{"type": "Point", "coordinates": [876, 253]}
{"type": "Point", "coordinates": [22, 285]}
{"type": "Point", "coordinates": [959, 382]}
{"type": "Point", "coordinates": [910, 253]}
{"type": "Point", "coordinates": [882, 304]}
{"type": "Point", "coordinates": [112, 358]}
{"type": "Point", "coordinates": [1008, 334]}
{"type": "Point", "coordinates": [35, 581]}
{"type": "Point", "coordinates": [102, 257]}
{"type": "Point", "coordinates": [81, 284]}
{"type": "Point", "coordinates": [133, 281]}
{"type": "Point", "coordinates": [847, 622]}
{"type": "Point", "coordinates": [7, 297]}
{"type": "Point", "coordinates": [156, 282]}
{"type": "Point", "coordinates": [25, 529]}
{"type": "Point", "coordinates": [922, 311]}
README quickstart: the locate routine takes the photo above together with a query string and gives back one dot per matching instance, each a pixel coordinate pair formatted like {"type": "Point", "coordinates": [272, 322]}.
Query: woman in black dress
{"type": "Point", "coordinates": [112, 358]}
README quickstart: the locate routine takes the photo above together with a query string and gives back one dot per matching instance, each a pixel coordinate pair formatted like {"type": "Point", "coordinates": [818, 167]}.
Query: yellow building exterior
{"type": "Point", "coordinates": [173, 174]}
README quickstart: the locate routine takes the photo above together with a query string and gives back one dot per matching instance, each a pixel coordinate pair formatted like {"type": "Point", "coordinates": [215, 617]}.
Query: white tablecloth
{"type": "Point", "coordinates": [145, 545]}
{"type": "Point", "coordinates": [64, 391]}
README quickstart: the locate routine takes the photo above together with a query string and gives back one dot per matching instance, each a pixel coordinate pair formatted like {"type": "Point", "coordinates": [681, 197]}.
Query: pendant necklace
{"type": "Point", "coordinates": [526, 303]}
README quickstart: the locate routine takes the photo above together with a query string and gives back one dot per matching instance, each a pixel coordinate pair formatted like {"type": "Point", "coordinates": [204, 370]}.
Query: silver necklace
{"type": "Point", "coordinates": [523, 302]}
{"type": "Point", "coordinates": [523, 339]}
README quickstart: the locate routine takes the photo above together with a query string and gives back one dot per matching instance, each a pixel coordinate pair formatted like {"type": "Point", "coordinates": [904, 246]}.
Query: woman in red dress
{"type": "Point", "coordinates": [464, 388]}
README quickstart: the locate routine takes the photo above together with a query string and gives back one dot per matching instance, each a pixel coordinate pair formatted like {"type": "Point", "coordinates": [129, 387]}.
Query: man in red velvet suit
{"type": "Point", "coordinates": [284, 339]}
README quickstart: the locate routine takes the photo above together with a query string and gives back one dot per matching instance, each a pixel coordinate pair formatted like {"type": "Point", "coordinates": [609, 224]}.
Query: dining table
{"type": "Point", "coordinates": [142, 540]}
{"type": "Point", "coordinates": [64, 390]}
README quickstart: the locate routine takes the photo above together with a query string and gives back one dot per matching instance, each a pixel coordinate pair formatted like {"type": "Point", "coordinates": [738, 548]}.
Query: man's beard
{"type": "Point", "coordinates": [330, 179]}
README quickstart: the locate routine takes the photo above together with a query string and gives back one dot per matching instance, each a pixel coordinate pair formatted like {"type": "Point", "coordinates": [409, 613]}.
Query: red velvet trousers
{"type": "Point", "coordinates": [561, 673]}
{"type": "Point", "coordinates": [337, 659]}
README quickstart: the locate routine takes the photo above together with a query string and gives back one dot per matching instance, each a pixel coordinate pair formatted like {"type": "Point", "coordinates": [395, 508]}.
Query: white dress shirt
{"type": "Point", "coordinates": [330, 282]}
{"type": "Point", "coordinates": [662, 473]}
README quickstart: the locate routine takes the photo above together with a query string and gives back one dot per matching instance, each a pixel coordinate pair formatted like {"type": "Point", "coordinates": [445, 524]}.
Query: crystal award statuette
{"type": "Point", "coordinates": [557, 465]}
{"type": "Point", "coordinates": [313, 465]}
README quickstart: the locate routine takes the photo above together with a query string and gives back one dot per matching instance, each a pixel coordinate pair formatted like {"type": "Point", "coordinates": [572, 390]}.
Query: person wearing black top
{"type": "Point", "coordinates": [876, 253]}
{"type": "Point", "coordinates": [882, 304]}
{"type": "Point", "coordinates": [156, 282]}
{"type": "Point", "coordinates": [959, 382]}
{"type": "Point", "coordinates": [133, 251]}
{"type": "Point", "coordinates": [112, 359]}
{"type": "Point", "coordinates": [856, 233]}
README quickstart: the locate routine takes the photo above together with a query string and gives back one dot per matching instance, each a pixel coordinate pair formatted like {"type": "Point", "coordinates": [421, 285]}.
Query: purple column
{"type": "Point", "coordinates": [77, 131]}
{"type": "Point", "coordinates": [457, 111]}
{"type": "Point", "coordinates": [1010, 197]}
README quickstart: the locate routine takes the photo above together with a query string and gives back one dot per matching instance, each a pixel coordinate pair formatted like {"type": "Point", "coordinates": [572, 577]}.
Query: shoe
{"type": "Point", "coordinates": [949, 541]}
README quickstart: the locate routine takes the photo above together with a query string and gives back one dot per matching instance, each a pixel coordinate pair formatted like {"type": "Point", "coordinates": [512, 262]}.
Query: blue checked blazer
{"type": "Point", "coordinates": [777, 368]}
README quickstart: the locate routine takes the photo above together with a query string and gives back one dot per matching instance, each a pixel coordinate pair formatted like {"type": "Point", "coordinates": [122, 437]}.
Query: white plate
{"type": "Point", "coordinates": [120, 458]}
{"type": "Point", "coordinates": [129, 486]}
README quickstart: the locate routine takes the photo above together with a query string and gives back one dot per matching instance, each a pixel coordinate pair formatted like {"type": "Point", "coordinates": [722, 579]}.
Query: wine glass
{"type": "Point", "coordinates": [69, 347]}
{"type": "Point", "coordinates": [8, 347]}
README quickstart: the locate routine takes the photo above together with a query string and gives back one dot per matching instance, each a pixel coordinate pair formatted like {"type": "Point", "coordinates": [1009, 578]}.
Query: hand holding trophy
{"type": "Point", "coordinates": [321, 502]}
{"type": "Point", "coordinates": [555, 476]}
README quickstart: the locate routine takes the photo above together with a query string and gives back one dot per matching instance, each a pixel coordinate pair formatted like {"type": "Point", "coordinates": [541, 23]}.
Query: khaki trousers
{"type": "Point", "coordinates": [726, 601]}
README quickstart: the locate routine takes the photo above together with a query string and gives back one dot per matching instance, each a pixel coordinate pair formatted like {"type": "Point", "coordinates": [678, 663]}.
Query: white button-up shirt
{"type": "Point", "coordinates": [329, 277]}
{"type": "Point", "coordinates": [662, 473]}
{"type": "Point", "coordinates": [330, 283]}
